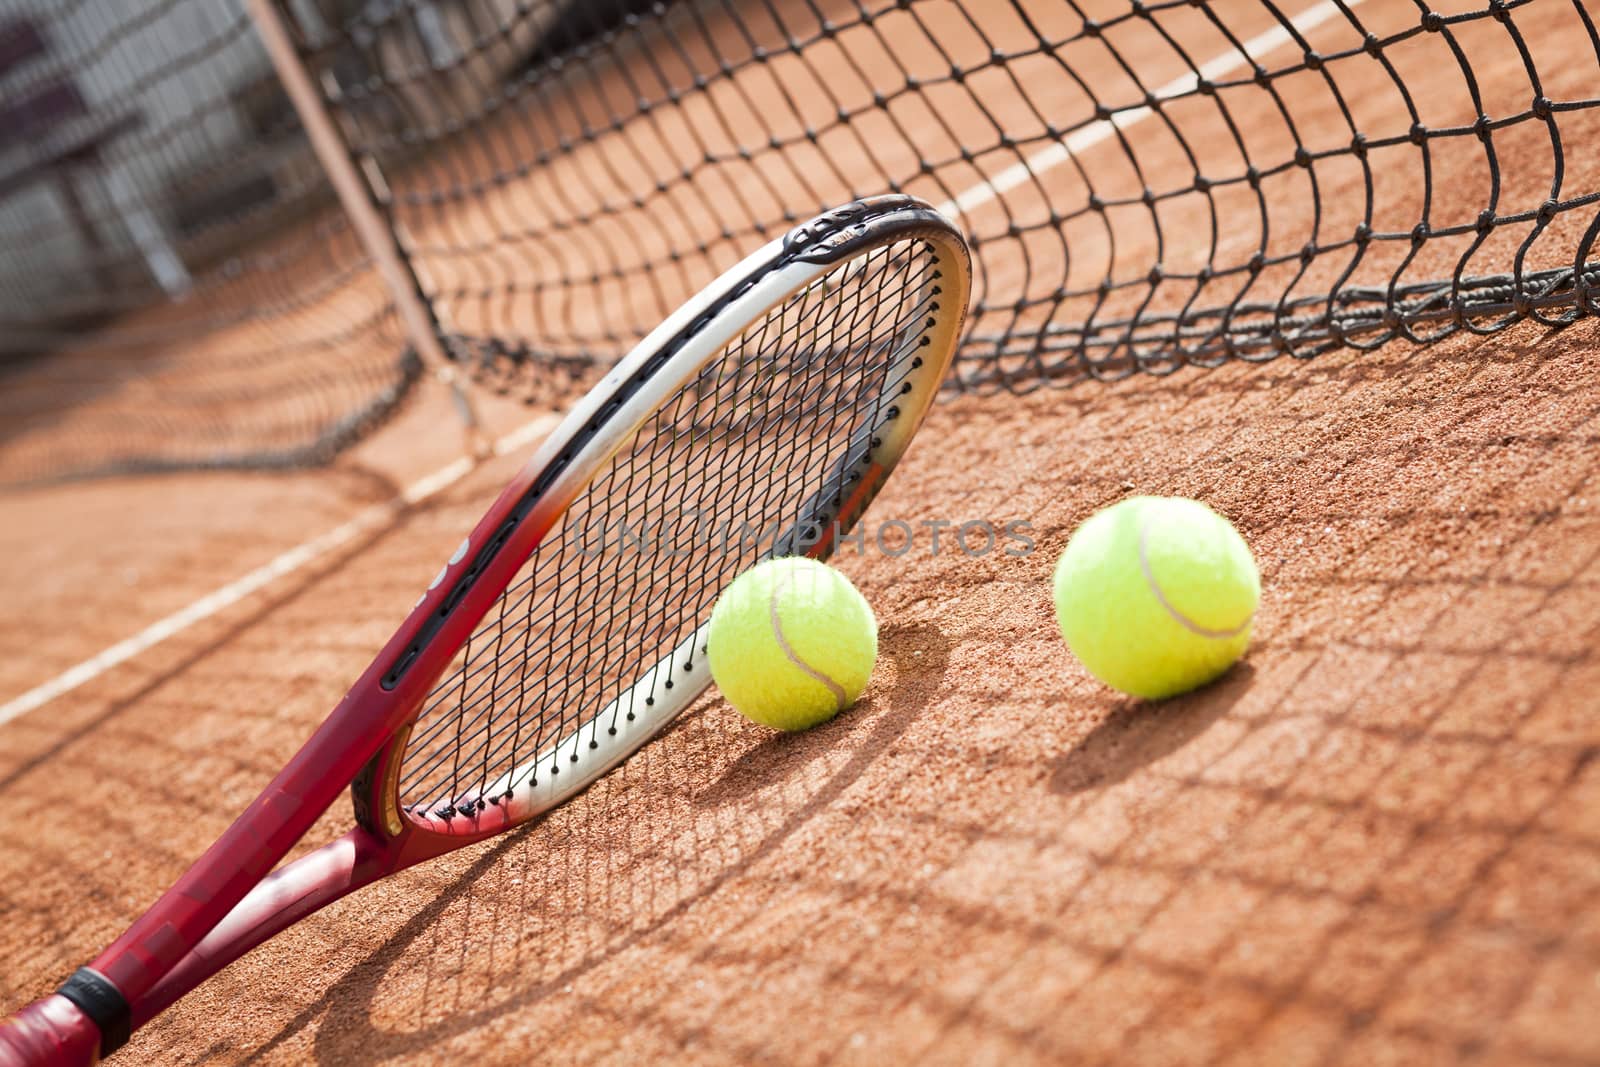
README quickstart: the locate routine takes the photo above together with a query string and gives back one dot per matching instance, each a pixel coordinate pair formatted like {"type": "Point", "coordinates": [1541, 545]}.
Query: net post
{"type": "Point", "coordinates": [364, 196]}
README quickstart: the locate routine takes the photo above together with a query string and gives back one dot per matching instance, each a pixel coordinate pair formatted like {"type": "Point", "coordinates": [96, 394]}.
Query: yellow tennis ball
{"type": "Point", "coordinates": [1156, 595]}
{"type": "Point", "coordinates": [792, 643]}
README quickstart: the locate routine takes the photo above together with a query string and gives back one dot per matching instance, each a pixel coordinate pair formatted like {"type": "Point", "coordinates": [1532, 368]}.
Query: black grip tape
{"type": "Point", "coordinates": [103, 1003]}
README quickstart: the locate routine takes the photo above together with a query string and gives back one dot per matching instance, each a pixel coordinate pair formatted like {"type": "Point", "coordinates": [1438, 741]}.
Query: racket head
{"type": "Point", "coordinates": [891, 276]}
{"type": "Point", "coordinates": [779, 399]}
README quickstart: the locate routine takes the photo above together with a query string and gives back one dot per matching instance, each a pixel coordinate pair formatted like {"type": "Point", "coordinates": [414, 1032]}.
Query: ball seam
{"type": "Point", "coordinates": [788, 650]}
{"type": "Point", "coordinates": [1177, 616]}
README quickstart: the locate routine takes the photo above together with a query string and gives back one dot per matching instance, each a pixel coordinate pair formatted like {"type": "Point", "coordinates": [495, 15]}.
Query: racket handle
{"type": "Point", "coordinates": [53, 1032]}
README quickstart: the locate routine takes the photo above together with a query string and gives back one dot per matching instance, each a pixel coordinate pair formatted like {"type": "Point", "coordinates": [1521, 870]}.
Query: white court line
{"type": "Point", "coordinates": [983, 192]}
{"type": "Point", "coordinates": [371, 518]}
{"type": "Point", "coordinates": [1086, 137]}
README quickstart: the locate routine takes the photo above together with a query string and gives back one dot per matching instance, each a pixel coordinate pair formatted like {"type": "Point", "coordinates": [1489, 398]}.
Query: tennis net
{"type": "Point", "coordinates": [178, 287]}
{"type": "Point", "coordinates": [1147, 185]}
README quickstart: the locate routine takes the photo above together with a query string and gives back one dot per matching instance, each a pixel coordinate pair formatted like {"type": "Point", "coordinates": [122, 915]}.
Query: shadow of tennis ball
{"type": "Point", "coordinates": [1138, 733]}
{"type": "Point", "coordinates": [911, 665]}
{"type": "Point", "coordinates": [610, 872]}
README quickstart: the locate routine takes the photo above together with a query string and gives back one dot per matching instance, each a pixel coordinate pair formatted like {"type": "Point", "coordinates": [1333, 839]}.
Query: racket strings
{"type": "Point", "coordinates": [633, 473]}
{"type": "Point", "coordinates": [521, 676]}
{"type": "Point", "coordinates": [747, 459]}
{"type": "Point", "coordinates": [530, 609]}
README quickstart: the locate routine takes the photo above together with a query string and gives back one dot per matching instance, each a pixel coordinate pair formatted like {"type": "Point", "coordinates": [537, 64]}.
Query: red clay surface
{"type": "Point", "coordinates": [1376, 841]}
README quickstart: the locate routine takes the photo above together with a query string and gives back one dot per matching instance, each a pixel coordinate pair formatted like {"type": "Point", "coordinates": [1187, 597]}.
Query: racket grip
{"type": "Point", "coordinates": [53, 1032]}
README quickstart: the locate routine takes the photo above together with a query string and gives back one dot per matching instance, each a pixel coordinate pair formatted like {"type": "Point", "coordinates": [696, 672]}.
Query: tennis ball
{"type": "Point", "coordinates": [1156, 595]}
{"type": "Point", "coordinates": [792, 643]}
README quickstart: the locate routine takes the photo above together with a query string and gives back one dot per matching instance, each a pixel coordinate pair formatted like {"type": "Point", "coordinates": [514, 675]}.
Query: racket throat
{"type": "Point", "coordinates": [375, 789]}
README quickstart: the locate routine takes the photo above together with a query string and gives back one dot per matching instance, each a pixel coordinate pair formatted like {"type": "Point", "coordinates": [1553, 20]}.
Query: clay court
{"type": "Point", "coordinates": [1376, 840]}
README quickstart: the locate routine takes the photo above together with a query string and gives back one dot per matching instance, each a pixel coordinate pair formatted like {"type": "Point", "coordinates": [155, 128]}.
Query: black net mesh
{"type": "Point", "coordinates": [177, 285]}
{"type": "Point", "coordinates": [749, 459]}
{"type": "Point", "coordinates": [1146, 184]}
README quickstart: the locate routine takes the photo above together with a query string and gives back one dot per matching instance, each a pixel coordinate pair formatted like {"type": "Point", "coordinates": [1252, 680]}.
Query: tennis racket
{"type": "Point", "coordinates": [569, 627]}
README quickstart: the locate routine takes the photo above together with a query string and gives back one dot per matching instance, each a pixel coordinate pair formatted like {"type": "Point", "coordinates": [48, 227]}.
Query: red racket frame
{"type": "Point", "coordinates": [231, 899]}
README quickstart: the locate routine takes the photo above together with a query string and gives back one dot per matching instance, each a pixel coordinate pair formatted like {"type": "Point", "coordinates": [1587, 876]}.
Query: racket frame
{"type": "Point", "coordinates": [231, 899]}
